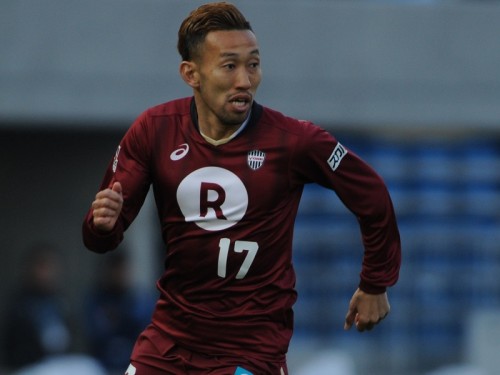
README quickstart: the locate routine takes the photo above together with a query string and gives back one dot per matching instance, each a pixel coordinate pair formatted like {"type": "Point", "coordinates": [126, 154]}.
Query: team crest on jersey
{"type": "Point", "coordinates": [255, 159]}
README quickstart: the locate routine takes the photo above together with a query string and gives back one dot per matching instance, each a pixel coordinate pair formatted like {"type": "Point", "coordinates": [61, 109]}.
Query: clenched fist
{"type": "Point", "coordinates": [106, 207]}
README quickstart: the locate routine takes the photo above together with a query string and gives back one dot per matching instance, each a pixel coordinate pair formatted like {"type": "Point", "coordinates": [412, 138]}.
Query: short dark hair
{"type": "Point", "coordinates": [207, 18]}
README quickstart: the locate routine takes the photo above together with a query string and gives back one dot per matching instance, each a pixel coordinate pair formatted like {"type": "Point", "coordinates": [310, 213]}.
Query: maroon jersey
{"type": "Point", "coordinates": [227, 214]}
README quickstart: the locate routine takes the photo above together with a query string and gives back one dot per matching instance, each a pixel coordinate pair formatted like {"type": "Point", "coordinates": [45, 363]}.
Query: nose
{"type": "Point", "coordinates": [243, 79]}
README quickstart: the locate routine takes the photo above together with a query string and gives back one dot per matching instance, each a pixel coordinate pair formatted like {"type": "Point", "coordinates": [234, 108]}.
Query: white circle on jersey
{"type": "Point", "coordinates": [213, 198]}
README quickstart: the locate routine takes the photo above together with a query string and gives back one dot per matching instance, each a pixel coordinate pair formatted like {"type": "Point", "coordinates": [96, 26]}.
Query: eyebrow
{"type": "Point", "coordinates": [233, 54]}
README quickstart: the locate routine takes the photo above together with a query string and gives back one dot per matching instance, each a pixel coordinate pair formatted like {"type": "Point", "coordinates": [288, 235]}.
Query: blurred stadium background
{"type": "Point", "coordinates": [411, 86]}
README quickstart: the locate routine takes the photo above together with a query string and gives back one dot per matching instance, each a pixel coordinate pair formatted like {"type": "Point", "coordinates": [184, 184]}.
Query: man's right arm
{"type": "Point", "coordinates": [122, 192]}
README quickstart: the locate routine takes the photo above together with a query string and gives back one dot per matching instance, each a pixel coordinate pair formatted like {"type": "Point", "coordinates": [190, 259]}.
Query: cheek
{"type": "Point", "coordinates": [256, 80]}
{"type": "Point", "coordinates": [215, 85]}
{"type": "Point", "coordinates": [210, 90]}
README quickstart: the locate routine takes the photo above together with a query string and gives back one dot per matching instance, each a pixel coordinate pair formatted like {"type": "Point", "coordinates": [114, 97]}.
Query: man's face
{"type": "Point", "coordinates": [229, 74]}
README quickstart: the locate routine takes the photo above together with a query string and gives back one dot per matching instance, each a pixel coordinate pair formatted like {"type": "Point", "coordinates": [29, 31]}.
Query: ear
{"type": "Point", "coordinates": [189, 73]}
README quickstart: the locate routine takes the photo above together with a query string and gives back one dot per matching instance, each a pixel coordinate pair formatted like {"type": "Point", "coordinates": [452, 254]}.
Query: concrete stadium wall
{"type": "Point", "coordinates": [360, 63]}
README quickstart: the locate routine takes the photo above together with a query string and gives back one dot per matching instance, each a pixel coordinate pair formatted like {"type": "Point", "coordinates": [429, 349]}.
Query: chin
{"type": "Point", "coordinates": [234, 120]}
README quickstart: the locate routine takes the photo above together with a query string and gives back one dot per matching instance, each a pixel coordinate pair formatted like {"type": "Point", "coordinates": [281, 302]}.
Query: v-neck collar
{"type": "Point", "coordinates": [254, 116]}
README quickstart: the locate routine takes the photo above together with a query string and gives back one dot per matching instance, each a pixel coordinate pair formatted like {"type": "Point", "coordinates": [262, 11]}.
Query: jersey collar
{"type": "Point", "coordinates": [255, 113]}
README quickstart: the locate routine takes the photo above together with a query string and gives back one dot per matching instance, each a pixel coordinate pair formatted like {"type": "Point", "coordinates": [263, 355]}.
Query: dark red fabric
{"type": "Point", "coordinates": [156, 354]}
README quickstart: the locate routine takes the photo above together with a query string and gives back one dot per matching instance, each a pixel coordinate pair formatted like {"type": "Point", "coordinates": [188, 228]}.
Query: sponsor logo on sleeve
{"type": "Point", "coordinates": [115, 159]}
{"type": "Point", "coordinates": [336, 157]}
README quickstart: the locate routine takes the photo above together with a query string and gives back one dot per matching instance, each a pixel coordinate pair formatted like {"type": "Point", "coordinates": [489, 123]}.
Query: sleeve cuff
{"type": "Point", "coordinates": [371, 289]}
{"type": "Point", "coordinates": [100, 242]}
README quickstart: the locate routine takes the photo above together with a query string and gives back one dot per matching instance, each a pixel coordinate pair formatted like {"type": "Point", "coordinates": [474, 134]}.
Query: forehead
{"type": "Point", "coordinates": [222, 43]}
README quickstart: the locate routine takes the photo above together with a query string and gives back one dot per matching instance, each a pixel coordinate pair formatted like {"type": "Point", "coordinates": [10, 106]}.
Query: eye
{"type": "Point", "coordinates": [254, 64]}
{"type": "Point", "coordinates": [230, 66]}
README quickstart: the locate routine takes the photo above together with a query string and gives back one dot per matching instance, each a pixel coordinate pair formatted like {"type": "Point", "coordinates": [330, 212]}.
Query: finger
{"type": "Point", "coordinates": [106, 203]}
{"type": "Point", "coordinates": [349, 319]}
{"type": "Point", "coordinates": [105, 211]}
{"type": "Point", "coordinates": [363, 324]}
{"type": "Point", "coordinates": [109, 194]}
{"type": "Point", "coordinates": [368, 324]}
{"type": "Point", "coordinates": [103, 221]}
{"type": "Point", "coordinates": [104, 224]}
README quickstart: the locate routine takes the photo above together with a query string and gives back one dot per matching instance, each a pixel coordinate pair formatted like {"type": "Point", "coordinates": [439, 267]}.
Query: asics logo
{"type": "Point", "coordinates": [180, 152]}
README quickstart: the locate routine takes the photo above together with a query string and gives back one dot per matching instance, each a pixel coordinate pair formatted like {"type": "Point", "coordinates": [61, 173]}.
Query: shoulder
{"type": "Point", "coordinates": [303, 130]}
{"type": "Point", "coordinates": [154, 123]}
{"type": "Point", "coordinates": [177, 107]}
{"type": "Point", "coordinates": [155, 118]}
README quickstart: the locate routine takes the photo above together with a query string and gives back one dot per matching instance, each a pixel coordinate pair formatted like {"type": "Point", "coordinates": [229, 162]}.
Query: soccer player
{"type": "Point", "coordinates": [227, 175]}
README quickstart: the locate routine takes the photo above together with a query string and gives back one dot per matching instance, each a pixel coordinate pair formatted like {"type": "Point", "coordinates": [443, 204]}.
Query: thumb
{"type": "Point", "coordinates": [117, 187]}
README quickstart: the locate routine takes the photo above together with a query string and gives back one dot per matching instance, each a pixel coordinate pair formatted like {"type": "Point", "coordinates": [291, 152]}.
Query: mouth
{"type": "Point", "coordinates": [241, 102]}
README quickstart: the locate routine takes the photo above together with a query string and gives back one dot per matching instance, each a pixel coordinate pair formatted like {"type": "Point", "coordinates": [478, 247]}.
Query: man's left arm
{"type": "Point", "coordinates": [325, 161]}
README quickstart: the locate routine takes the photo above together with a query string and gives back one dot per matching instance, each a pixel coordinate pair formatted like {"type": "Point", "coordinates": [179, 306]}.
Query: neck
{"type": "Point", "coordinates": [217, 132]}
